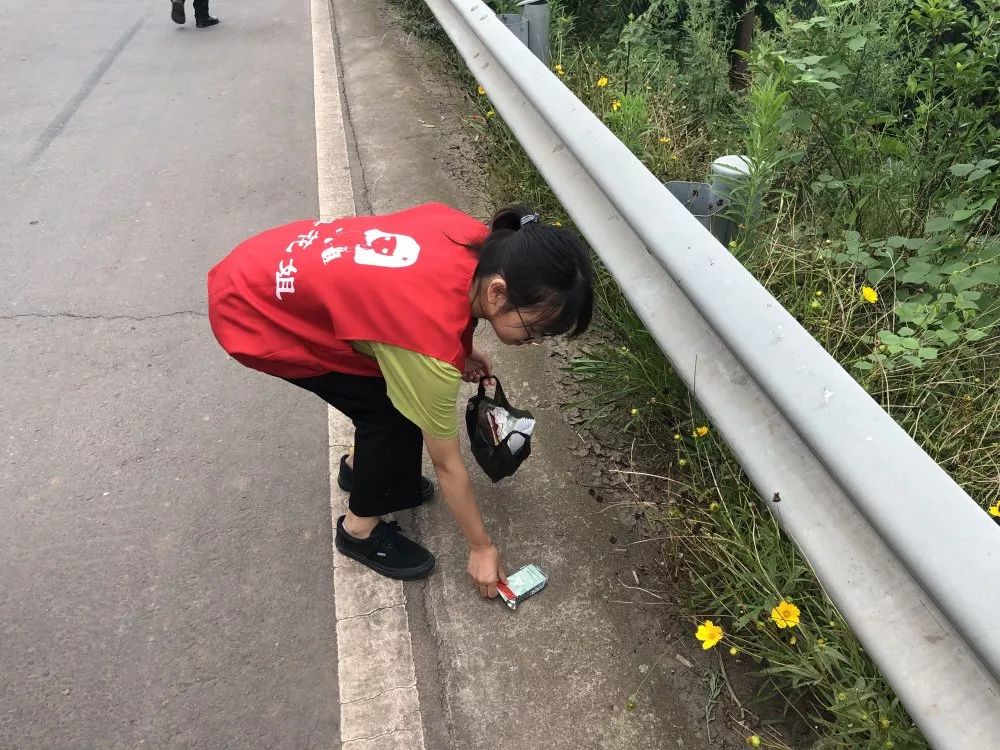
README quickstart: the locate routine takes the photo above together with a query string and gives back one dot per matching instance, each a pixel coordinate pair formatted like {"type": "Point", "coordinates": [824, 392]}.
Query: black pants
{"type": "Point", "coordinates": [200, 8]}
{"type": "Point", "coordinates": [388, 447]}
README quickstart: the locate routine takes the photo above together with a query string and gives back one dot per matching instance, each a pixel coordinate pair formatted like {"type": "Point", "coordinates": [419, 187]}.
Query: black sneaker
{"type": "Point", "coordinates": [386, 551]}
{"type": "Point", "coordinates": [345, 480]}
{"type": "Point", "coordinates": [205, 21]}
{"type": "Point", "coordinates": [177, 11]}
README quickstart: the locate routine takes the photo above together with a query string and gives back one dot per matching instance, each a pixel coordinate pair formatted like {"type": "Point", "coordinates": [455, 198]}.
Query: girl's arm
{"type": "Point", "coordinates": [485, 567]}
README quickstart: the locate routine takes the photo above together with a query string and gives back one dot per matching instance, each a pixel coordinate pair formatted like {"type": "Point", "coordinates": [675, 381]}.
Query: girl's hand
{"type": "Point", "coordinates": [477, 367]}
{"type": "Point", "coordinates": [485, 569]}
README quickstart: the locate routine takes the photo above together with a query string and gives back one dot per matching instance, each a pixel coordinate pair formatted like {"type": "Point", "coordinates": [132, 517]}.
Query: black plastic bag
{"type": "Point", "coordinates": [497, 460]}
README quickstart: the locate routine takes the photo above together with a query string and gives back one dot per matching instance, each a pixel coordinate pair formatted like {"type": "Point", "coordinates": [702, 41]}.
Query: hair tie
{"type": "Point", "coordinates": [528, 219]}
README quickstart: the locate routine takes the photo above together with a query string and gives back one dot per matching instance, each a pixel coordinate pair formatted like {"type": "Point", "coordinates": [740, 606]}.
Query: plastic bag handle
{"type": "Point", "coordinates": [498, 394]}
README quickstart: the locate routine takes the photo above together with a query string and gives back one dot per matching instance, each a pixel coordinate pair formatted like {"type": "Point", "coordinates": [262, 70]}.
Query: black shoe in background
{"type": "Point", "coordinates": [386, 551]}
{"type": "Point", "coordinates": [205, 22]}
{"type": "Point", "coordinates": [345, 480]}
{"type": "Point", "coordinates": [177, 11]}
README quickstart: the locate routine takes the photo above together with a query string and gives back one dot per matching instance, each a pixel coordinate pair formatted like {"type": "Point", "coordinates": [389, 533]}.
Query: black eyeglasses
{"type": "Point", "coordinates": [530, 336]}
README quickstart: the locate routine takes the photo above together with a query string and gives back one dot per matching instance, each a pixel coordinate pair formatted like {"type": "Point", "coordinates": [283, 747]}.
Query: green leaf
{"type": "Point", "coordinates": [938, 224]}
{"type": "Point", "coordinates": [986, 274]}
{"type": "Point", "coordinates": [964, 304]}
{"type": "Point", "coordinates": [906, 331]}
{"type": "Point", "coordinates": [946, 337]}
{"type": "Point", "coordinates": [951, 322]}
{"type": "Point", "coordinates": [927, 352]}
{"type": "Point", "coordinates": [961, 170]}
{"type": "Point", "coordinates": [975, 334]}
{"type": "Point", "coordinates": [862, 364]}
{"type": "Point", "coordinates": [892, 147]}
{"type": "Point", "coordinates": [964, 282]}
{"type": "Point", "coordinates": [955, 267]}
{"type": "Point", "coordinates": [827, 85]}
{"type": "Point", "coordinates": [986, 163]}
{"type": "Point", "coordinates": [913, 360]}
{"type": "Point", "coordinates": [965, 213]}
{"type": "Point", "coordinates": [977, 174]}
{"type": "Point", "coordinates": [889, 338]}
{"type": "Point", "coordinates": [896, 242]}
{"type": "Point", "coordinates": [857, 43]}
{"type": "Point", "coordinates": [910, 343]}
{"type": "Point", "coordinates": [812, 59]}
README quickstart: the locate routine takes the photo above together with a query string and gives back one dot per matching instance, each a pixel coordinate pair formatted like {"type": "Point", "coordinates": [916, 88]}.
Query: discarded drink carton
{"type": "Point", "coordinates": [520, 585]}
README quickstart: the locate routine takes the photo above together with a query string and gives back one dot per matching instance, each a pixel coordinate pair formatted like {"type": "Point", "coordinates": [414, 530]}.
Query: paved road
{"type": "Point", "coordinates": [164, 543]}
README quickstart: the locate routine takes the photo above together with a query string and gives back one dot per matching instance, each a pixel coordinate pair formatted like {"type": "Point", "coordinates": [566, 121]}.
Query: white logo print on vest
{"type": "Point", "coordinates": [372, 248]}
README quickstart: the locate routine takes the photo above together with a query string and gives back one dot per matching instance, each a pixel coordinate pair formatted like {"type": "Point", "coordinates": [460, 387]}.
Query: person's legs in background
{"type": "Point", "coordinates": [177, 11]}
{"type": "Point", "coordinates": [201, 15]}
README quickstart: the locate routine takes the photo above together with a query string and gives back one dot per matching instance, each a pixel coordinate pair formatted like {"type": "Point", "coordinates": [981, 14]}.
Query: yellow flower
{"type": "Point", "coordinates": [682, 462]}
{"type": "Point", "coordinates": [793, 641]}
{"type": "Point", "coordinates": [635, 412]}
{"type": "Point", "coordinates": [616, 105]}
{"type": "Point", "coordinates": [558, 68]}
{"type": "Point", "coordinates": [713, 507]}
{"type": "Point", "coordinates": [480, 90]}
{"type": "Point", "coordinates": [490, 114]}
{"type": "Point", "coordinates": [753, 740]}
{"type": "Point", "coordinates": [994, 509]}
{"type": "Point", "coordinates": [785, 615]}
{"type": "Point", "coordinates": [709, 634]}
{"type": "Point", "coordinates": [677, 436]}
{"type": "Point", "coordinates": [733, 651]}
{"type": "Point", "coordinates": [664, 139]}
{"type": "Point", "coordinates": [869, 294]}
{"type": "Point", "coordinates": [602, 82]}
{"type": "Point", "coordinates": [819, 292]}
{"type": "Point", "coordinates": [557, 223]}
{"type": "Point", "coordinates": [700, 431]}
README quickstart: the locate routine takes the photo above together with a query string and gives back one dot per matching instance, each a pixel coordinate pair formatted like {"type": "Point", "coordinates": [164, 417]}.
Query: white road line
{"type": "Point", "coordinates": [379, 701]}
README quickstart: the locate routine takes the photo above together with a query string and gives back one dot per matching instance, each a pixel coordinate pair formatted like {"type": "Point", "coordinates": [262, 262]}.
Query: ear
{"type": "Point", "coordinates": [496, 293]}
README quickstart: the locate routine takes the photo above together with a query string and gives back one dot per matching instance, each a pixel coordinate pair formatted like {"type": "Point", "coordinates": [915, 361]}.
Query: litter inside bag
{"type": "Point", "coordinates": [500, 435]}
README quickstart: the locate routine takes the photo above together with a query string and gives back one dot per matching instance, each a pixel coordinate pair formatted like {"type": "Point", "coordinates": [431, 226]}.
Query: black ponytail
{"type": "Point", "coordinates": [547, 270]}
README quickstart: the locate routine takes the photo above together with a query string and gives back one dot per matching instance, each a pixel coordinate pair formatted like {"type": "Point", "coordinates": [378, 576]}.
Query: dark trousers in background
{"type": "Point", "coordinates": [200, 8]}
{"type": "Point", "coordinates": [388, 448]}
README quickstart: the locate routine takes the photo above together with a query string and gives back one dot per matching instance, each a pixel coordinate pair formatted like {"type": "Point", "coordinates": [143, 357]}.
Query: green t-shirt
{"type": "Point", "coordinates": [423, 389]}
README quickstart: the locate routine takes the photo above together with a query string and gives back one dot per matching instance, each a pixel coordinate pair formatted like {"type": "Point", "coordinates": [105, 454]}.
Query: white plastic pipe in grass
{"type": "Point", "coordinates": [907, 556]}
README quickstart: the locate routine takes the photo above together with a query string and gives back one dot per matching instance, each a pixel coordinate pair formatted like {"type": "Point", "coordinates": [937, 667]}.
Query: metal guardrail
{"type": "Point", "coordinates": [910, 560]}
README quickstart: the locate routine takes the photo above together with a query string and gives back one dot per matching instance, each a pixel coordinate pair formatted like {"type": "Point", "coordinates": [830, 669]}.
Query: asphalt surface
{"type": "Point", "coordinates": [164, 513]}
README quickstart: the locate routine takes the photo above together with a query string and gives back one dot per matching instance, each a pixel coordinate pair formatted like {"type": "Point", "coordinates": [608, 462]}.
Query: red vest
{"type": "Point", "coordinates": [288, 301]}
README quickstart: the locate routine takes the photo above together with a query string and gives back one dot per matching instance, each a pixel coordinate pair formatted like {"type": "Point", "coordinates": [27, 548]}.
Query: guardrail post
{"type": "Point", "coordinates": [516, 24]}
{"type": "Point", "coordinates": [536, 12]}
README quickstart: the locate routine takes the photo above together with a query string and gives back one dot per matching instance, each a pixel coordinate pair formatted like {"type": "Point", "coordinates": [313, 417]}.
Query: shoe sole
{"type": "Point", "coordinates": [177, 13]}
{"type": "Point", "coordinates": [411, 574]}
